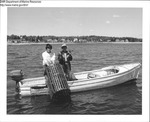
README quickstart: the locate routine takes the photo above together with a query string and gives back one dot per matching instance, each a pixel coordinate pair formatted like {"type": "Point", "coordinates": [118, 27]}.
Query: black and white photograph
{"type": "Point", "coordinates": [81, 60]}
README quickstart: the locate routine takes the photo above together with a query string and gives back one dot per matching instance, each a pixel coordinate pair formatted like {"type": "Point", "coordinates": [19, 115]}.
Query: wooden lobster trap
{"type": "Point", "coordinates": [57, 82]}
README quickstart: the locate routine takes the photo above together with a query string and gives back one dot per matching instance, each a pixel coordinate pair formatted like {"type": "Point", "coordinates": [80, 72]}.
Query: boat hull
{"type": "Point", "coordinates": [127, 72]}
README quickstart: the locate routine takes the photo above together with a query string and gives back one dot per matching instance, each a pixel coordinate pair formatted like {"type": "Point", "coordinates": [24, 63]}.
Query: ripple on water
{"type": "Point", "coordinates": [122, 99]}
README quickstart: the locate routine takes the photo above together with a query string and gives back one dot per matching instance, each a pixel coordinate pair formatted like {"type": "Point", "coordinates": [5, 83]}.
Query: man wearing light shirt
{"type": "Point", "coordinates": [48, 57]}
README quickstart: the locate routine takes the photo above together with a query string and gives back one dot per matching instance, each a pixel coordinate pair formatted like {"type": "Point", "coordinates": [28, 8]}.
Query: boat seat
{"type": "Point", "coordinates": [113, 70]}
{"type": "Point", "coordinates": [102, 73]}
{"type": "Point", "coordinates": [96, 74]}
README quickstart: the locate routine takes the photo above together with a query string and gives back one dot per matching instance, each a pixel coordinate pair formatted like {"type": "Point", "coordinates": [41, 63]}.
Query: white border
{"type": "Point", "coordinates": [71, 118]}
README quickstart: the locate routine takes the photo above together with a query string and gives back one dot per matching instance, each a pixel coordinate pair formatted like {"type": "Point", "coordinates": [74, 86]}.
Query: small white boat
{"type": "Point", "coordinates": [88, 80]}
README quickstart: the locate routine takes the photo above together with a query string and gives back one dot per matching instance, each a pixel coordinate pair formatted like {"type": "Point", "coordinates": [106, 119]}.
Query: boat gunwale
{"type": "Point", "coordinates": [124, 73]}
{"type": "Point", "coordinates": [108, 75]}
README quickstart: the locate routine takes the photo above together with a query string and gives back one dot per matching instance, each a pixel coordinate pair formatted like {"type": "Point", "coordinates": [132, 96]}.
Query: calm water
{"type": "Point", "coordinates": [122, 99]}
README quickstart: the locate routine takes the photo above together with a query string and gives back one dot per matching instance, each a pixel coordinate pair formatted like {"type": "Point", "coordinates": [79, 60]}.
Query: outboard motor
{"type": "Point", "coordinates": [17, 75]}
{"type": "Point", "coordinates": [57, 83]}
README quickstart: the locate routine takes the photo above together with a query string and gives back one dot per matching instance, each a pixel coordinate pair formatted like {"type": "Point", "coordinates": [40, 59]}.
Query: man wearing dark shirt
{"type": "Point", "coordinates": [64, 58]}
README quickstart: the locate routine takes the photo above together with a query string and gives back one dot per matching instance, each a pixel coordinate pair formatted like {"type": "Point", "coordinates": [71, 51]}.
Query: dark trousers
{"type": "Point", "coordinates": [67, 70]}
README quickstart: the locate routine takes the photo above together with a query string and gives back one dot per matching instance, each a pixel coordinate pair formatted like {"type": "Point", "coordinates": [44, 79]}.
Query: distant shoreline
{"type": "Point", "coordinates": [75, 43]}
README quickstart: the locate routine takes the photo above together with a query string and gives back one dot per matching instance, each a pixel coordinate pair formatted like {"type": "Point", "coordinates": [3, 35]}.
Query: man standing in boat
{"type": "Point", "coordinates": [48, 58]}
{"type": "Point", "coordinates": [64, 58]}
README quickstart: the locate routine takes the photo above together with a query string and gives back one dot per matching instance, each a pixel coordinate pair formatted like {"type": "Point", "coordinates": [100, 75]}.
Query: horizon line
{"type": "Point", "coordinates": [77, 36]}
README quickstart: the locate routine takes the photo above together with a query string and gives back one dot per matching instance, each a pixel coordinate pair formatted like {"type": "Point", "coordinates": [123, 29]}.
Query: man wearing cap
{"type": "Point", "coordinates": [64, 58]}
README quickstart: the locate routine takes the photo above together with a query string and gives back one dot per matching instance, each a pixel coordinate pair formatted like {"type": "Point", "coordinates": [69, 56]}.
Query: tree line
{"type": "Point", "coordinates": [91, 38]}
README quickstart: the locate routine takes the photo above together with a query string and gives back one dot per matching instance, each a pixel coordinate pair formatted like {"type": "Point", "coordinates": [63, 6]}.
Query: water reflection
{"type": "Point", "coordinates": [114, 100]}
{"type": "Point", "coordinates": [118, 98]}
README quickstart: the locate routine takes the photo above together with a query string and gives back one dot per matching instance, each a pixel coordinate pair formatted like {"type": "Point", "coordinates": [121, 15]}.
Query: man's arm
{"type": "Point", "coordinates": [69, 57]}
{"type": "Point", "coordinates": [44, 60]}
{"type": "Point", "coordinates": [60, 58]}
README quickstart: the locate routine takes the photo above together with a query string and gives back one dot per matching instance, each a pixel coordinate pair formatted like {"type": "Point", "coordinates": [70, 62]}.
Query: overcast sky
{"type": "Point", "coordinates": [116, 22]}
